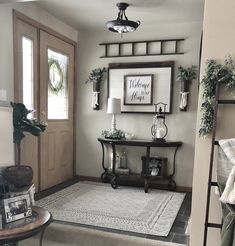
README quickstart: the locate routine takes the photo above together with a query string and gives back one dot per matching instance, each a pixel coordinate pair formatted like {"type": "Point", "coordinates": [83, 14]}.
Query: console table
{"type": "Point", "coordinates": [148, 144]}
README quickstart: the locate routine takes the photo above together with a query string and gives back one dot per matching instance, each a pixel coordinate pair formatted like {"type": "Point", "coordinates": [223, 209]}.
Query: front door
{"type": "Point", "coordinates": [56, 105]}
{"type": "Point", "coordinates": [44, 80]}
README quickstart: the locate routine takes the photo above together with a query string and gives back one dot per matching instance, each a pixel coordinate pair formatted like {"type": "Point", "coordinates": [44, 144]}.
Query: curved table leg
{"type": "Point", "coordinates": [114, 182]}
{"type": "Point", "coordinates": [173, 173]}
{"type": "Point", "coordinates": [41, 237]}
{"type": "Point", "coordinates": [146, 169]}
{"type": "Point", "coordinates": [114, 179]}
{"type": "Point", "coordinates": [105, 175]}
{"type": "Point", "coordinates": [172, 184]}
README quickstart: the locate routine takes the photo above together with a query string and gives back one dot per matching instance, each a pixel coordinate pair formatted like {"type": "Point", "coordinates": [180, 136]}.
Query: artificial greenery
{"type": "Point", "coordinates": [215, 73]}
{"type": "Point", "coordinates": [22, 124]}
{"type": "Point", "coordinates": [113, 134]}
{"type": "Point", "coordinates": [10, 244]}
{"type": "Point", "coordinates": [96, 75]}
{"type": "Point", "coordinates": [56, 88]}
{"type": "Point", "coordinates": [186, 74]}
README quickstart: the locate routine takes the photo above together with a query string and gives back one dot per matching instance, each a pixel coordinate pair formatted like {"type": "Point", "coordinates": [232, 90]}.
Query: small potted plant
{"type": "Point", "coordinates": [22, 175]}
{"type": "Point", "coordinates": [185, 76]}
{"type": "Point", "coordinates": [96, 76]}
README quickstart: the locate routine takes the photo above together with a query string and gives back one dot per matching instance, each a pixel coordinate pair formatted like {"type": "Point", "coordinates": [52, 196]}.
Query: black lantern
{"type": "Point", "coordinates": [159, 129]}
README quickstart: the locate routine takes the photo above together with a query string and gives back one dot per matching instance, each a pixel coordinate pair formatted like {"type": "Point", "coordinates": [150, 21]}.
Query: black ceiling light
{"type": "Point", "coordinates": [122, 24]}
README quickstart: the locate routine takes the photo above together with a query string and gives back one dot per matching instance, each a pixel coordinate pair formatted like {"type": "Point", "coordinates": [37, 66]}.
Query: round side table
{"type": "Point", "coordinates": [27, 227]}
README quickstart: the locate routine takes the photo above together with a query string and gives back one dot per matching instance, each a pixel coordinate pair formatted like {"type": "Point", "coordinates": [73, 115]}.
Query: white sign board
{"type": "Point", "coordinates": [138, 89]}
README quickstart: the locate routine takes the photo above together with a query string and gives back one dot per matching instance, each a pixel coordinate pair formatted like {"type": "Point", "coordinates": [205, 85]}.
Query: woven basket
{"type": "Point", "coordinates": [19, 176]}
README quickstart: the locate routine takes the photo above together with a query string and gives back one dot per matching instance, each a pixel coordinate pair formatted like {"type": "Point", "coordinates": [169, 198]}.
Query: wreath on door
{"type": "Point", "coordinates": [56, 76]}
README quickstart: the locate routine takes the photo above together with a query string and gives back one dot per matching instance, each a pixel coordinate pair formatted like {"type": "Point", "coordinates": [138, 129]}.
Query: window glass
{"type": "Point", "coordinates": [28, 79]}
{"type": "Point", "coordinates": [57, 85]}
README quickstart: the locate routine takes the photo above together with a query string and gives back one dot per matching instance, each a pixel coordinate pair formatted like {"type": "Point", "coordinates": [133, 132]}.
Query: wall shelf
{"type": "Point", "coordinates": [148, 48]}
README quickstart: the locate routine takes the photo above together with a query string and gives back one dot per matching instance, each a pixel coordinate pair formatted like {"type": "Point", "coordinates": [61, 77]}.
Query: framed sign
{"type": "Point", "coordinates": [138, 89]}
{"type": "Point", "coordinates": [17, 208]}
{"type": "Point", "coordinates": [130, 81]}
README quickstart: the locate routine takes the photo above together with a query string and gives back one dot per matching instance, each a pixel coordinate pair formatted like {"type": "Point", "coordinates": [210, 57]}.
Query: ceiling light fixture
{"type": "Point", "coordinates": [122, 24]}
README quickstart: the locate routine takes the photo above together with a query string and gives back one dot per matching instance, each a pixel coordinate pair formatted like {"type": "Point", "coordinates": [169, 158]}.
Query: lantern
{"type": "Point", "coordinates": [159, 129]}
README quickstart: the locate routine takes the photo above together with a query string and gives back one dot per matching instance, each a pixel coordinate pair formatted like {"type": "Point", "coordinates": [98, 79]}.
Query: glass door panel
{"type": "Point", "coordinates": [57, 85]}
{"type": "Point", "coordinates": [28, 78]}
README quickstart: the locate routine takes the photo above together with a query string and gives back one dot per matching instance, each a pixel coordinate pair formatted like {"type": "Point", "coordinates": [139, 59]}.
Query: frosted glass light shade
{"type": "Point", "coordinates": [114, 106]}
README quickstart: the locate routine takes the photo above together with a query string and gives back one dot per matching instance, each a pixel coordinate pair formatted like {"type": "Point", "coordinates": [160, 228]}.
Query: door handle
{"type": "Point", "coordinates": [43, 113]}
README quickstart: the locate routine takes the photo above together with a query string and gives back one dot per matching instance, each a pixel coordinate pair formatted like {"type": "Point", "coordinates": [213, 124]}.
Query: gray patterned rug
{"type": "Point", "coordinates": [126, 208]}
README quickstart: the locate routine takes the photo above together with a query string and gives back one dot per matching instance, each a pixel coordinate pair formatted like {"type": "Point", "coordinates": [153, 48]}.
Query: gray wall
{"type": "Point", "coordinates": [90, 123]}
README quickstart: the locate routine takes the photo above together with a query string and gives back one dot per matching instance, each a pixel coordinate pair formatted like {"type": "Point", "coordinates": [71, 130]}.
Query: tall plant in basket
{"type": "Point", "coordinates": [22, 175]}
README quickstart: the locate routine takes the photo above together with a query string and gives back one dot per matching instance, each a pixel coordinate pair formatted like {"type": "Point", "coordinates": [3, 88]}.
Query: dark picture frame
{"type": "Point", "coordinates": [17, 207]}
{"type": "Point", "coordinates": [162, 91]}
{"type": "Point", "coordinates": [138, 89]}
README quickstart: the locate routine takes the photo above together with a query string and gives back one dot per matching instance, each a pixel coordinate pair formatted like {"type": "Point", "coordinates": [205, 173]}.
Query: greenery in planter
{"type": "Point", "coordinates": [10, 244]}
{"type": "Point", "coordinates": [113, 134]}
{"type": "Point", "coordinates": [22, 124]}
{"type": "Point", "coordinates": [215, 73]}
{"type": "Point", "coordinates": [96, 75]}
{"type": "Point", "coordinates": [186, 74]}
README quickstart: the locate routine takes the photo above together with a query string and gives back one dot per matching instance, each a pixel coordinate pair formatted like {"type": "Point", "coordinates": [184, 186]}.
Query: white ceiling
{"type": "Point", "coordinates": [93, 14]}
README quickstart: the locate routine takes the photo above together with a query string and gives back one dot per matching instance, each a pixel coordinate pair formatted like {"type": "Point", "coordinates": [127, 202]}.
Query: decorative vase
{"type": "Point", "coordinates": [19, 176]}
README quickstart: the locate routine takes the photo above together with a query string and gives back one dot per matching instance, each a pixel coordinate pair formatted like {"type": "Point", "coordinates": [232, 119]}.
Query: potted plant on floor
{"type": "Point", "coordinates": [22, 175]}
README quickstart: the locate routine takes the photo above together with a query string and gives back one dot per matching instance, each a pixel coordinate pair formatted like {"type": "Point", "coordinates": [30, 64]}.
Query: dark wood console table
{"type": "Point", "coordinates": [137, 143]}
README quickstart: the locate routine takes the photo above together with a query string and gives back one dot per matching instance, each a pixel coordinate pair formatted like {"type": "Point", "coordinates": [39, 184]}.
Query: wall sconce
{"type": "Point", "coordinates": [96, 76]}
{"type": "Point", "coordinates": [185, 76]}
{"type": "Point", "coordinates": [159, 129]}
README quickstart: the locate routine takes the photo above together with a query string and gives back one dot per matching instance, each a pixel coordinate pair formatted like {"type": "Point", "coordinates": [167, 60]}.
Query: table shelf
{"type": "Point", "coordinates": [115, 179]}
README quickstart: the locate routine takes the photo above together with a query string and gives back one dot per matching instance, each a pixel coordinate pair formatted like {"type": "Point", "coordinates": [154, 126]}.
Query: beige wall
{"type": "Point", "coordinates": [6, 39]}
{"type": "Point", "coordinates": [6, 140]}
{"type": "Point", "coordinates": [218, 41]}
{"type": "Point", "coordinates": [90, 123]}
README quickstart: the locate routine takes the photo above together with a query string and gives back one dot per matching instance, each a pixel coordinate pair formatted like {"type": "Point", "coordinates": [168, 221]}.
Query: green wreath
{"type": "Point", "coordinates": [55, 87]}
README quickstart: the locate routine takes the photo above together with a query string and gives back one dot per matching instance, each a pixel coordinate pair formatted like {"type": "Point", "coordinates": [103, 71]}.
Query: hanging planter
{"type": "Point", "coordinates": [96, 86]}
{"type": "Point", "coordinates": [96, 76]}
{"type": "Point", "coordinates": [185, 76]}
{"type": "Point", "coordinates": [215, 73]}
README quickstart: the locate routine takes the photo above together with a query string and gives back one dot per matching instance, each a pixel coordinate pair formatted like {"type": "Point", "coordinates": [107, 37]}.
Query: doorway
{"type": "Point", "coordinates": [44, 81]}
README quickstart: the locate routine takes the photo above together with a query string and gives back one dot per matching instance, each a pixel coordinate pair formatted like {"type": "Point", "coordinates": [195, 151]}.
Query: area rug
{"type": "Point", "coordinates": [126, 208]}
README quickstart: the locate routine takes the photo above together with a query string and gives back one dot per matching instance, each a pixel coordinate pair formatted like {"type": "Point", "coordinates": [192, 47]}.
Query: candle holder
{"type": "Point", "coordinates": [159, 128]}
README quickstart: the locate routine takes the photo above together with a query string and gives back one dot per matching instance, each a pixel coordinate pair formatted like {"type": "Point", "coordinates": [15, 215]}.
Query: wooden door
{"type": "Point", "coordinates": [56, 108]}
{"type": "Point", "coordinates": [26, 86]}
